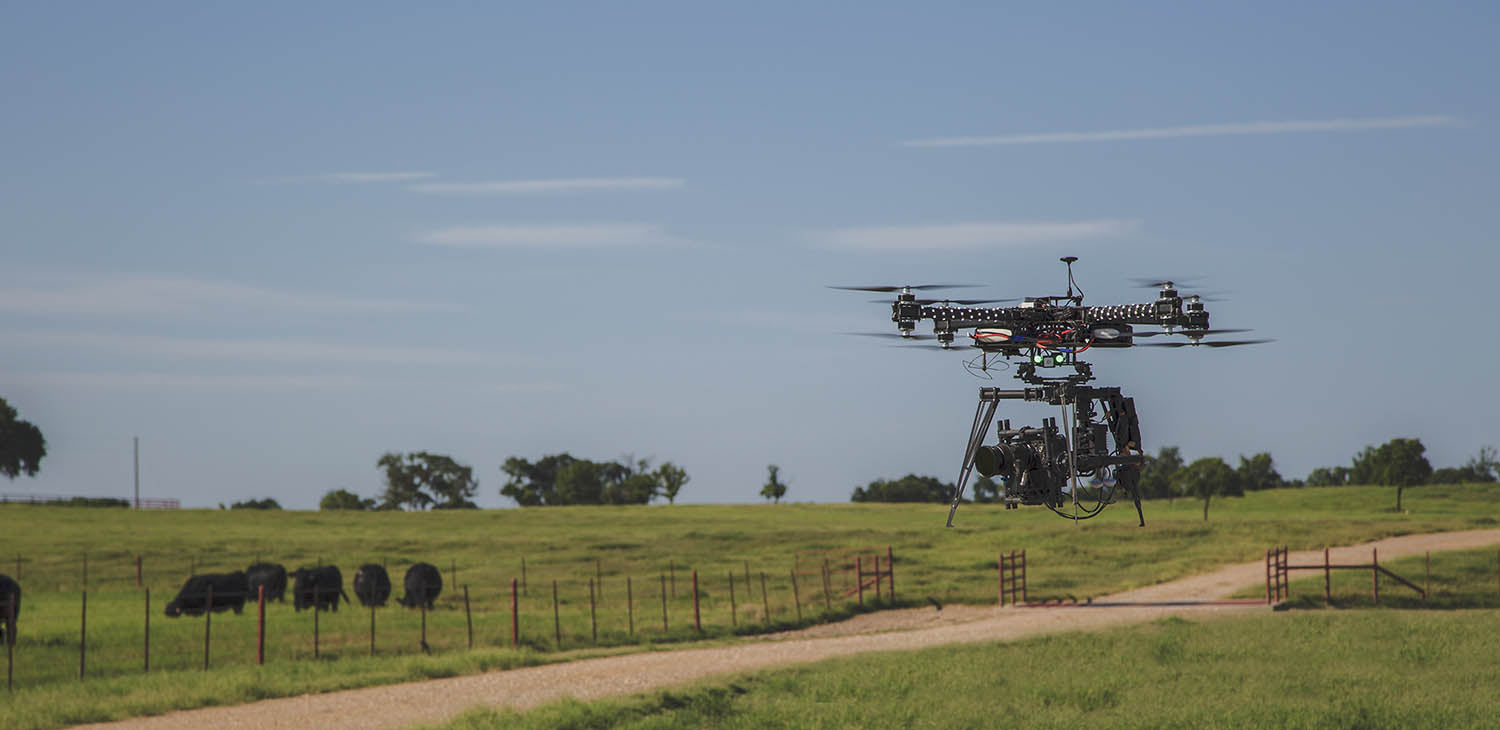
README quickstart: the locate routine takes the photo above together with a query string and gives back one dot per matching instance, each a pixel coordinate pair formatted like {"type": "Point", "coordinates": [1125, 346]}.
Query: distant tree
{"type": "Point", "coordinates": [986, 490]}
{"type": "Point", "coordinates": [532, 485]}
{"type": "Point", "coordinates": [773, 489]}
{"type": "Point", "coordinates": [420, 480]}
{"type": "Point", "coordinates": [266, 503]}
{"type": "Point", "coordinates": [1324, 476]}
{"type": "Point", "coordinates": [1396, 463]}
{"type": "Point", "coordinates": [1479, 469]}
{"type": "Point", "coordinates": [672, 479]}
{"type": "Point", "coordinates": [562, 479]}
{"type": "Point", "coordinates": [344, 499]}
{"type": "Point", "coordinates": [1258, 472]}
{"type": "Point", "coordinates": [1206, 478]}
{"type": "Point", "coordinates": [21, 444]}
{"type": "Point", "coordinates": [910, 488]}
{"type": "Point", "coordinates": [1156, 477]}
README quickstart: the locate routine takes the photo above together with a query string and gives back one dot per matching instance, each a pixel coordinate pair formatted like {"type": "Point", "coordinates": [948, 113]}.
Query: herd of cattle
{"type": "Point", "coordinates": [315, 588]}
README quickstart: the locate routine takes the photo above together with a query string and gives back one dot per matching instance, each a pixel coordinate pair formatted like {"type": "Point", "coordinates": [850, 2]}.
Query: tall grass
{"type": "Point", "coordinates": [1309, 670]}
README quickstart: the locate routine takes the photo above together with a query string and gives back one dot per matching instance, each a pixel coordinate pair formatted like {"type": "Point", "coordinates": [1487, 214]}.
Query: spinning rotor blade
{"type": "Point", "coordinates": [892, 335]}
{"type": "Point", "coordinates": [1214, 343]}
{"type": "Point", "coordinates": [1149, 283]}
{"type": "Point", "coordinates": [1189, 333]}
{"type": "Point", "coordinates": [950, 301]}
{"type": "Point", "coordinates": [913, 287]}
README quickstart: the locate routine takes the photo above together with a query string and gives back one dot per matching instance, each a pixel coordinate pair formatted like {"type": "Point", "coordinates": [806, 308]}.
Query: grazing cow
{"type": "Point", "coordinates": [229, 592]}
{"type": "Point", "coordinates": [9, 589]}
{"type": "Point", "coordinates": [423, 584]}
{"type": "Point", "coordinates": [318, 588]}
{"type": "Point", "coordinates": [372, 585]}
{"type": "Point", "coordinates": [272, 576]}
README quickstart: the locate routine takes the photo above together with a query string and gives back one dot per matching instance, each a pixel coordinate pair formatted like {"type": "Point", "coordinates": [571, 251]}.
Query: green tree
{"type": "Point", "coordinates": [672, 479]}
{"type": "Point", "coordinates": [1398, 463]}
{"type": "Point", "coordinates": [1324, 476]}
{"type": "Point", "coordinates": [1205, 478]}
{"type": "Point", "coordinates": [532, 485]}
{"type": "Point", "coordinates": [21, 444]}
{"type": "Point", "coordinates": [773, 489]}
{"type": "Point", "coordinates": [1156, 477]}
{"type": "Point", "coordinates": [1479, 469]}
{"type": "Point", "coordinates": [420, 479]}
{"type": "Point", "coordinates": [266, 503]}
{"type": "Point", "coordinates": [986, 491]}
{"type": "Point", "coordinates": [1258, 472]}
{"type": "Point", "coordinates": [910, 488]}
{"type": "Point", "coordinates": [344, 499]}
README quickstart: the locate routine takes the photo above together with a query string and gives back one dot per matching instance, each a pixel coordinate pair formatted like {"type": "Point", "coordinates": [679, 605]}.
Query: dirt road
{"type": "Point", "coordinates": [436, 700]}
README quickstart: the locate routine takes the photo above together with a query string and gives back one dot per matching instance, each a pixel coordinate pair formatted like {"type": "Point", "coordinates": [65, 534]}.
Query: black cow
{"type": "Point", "coordinates": [271, 576]}
{"type": "Point", "coordinates": [229, 592]}
{"type": "Point", "coordinates": [9, 589]}
{"type": "Point", "coordinates": [423, 584]}
{"type": "Point", "coordinates": [372, 585]}
{"type": "Point", "coordinates": [318, 588]}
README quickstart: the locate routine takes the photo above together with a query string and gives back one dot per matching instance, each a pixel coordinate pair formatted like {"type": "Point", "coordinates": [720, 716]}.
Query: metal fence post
{"type": "Point", "coordinates": [556, 621]}
{"type": "Point", "coordinates": [765, 602]}
{"type": "Point", "coordinates": [260, 626]}
{"type": "Point", "coordinates": [468, 618]}
{"type": "Point", "coordinates": [859, 577]}
{"type": "Point", "coordinates": [697, 622]}
{"type": "Point", "coordinates": [734, 612]}
{"type": "Point", "coordinates": [877, 577]}
{"type": "Point", "coordinates": [208, 625]}
{"type": "Point", "coordinates": [664, 604]}
{"type": "Point", "coordinates": [796, 596]}
{"type": "Point", "coordinates": [1000, 577]}
{"type": "Point", "coordinates": [593, 615]}
{"type": "Point", "coordinates": [83, 631]}
{"type": "Point", "coordinates": [515, 614]}
{"type": "Point", "coordinates": [1023, 578]}
{"type": "Point", "coordinates": [890, 565]}
{"type": "Point", "coordinates": [827, 587]}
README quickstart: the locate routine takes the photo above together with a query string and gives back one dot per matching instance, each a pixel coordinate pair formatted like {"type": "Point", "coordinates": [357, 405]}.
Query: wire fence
{"type": "Point", "coordinates": [111, 620]}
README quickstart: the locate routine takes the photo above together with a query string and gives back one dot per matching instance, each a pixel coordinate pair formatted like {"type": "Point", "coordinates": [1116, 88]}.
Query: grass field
{"type": "Point", "coordinates": [572, 545]}
{"type": "Point", "coordinates": [1324, 669]}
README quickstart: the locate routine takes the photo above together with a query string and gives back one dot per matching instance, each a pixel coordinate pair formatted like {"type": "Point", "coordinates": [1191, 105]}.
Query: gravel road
{"type": "Point", "coordinates": [436, 700]}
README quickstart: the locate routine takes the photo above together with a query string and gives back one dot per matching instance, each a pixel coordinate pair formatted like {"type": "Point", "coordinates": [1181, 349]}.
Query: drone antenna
{"type": "Point", "coordinates": [1071, 283]}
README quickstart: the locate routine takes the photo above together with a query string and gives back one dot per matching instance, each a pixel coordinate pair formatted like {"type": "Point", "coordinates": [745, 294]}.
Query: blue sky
{"type": "Point", "coordinates": [275, 242]}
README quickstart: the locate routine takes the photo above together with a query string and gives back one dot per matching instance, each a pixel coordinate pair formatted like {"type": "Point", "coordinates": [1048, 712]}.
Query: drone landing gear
{"type": "Point", "coordinates": [1042, 466]}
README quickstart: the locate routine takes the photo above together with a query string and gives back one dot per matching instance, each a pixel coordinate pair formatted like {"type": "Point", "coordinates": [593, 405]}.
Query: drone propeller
{"type": "Point", "coordinates": [1189, 333]}
{"type": "Point", "coordinates": [1214, 343]}
{"type": "Point", "coordinates": [1150, 283]}
{"type": "Point", "coordinates": [965, 302]}
{"type": "Point", "coordinates": [892, 335]}
{"type": "Point", "coordinates": [913, 287]}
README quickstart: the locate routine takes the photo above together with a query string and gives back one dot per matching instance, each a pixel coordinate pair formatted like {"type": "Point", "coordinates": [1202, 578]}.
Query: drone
{"type": "Point", "coordinates": [1079, 468]}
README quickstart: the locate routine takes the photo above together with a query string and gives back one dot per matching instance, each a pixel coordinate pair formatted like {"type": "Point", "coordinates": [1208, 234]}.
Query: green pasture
{"type": "Point", "coordinates": [571, 545]}
{"type": "Point", "coordinates": [1360, 669]}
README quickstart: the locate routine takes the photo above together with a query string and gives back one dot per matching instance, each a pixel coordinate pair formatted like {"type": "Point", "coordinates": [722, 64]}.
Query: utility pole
{"type": "Point", "coordinates": [136, 440]}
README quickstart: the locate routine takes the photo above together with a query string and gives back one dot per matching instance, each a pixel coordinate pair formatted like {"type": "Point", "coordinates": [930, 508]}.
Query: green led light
{"type": "Point", "coordinates": [1037, 358]}
{"type": "Point", "coordinates": [1061, 358]}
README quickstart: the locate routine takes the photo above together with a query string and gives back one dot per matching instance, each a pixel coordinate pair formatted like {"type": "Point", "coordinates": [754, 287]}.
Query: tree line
{"type": "Point", "coordinates": [422, 480]}
{"type": "Point", "coordinates": [1400, 462]}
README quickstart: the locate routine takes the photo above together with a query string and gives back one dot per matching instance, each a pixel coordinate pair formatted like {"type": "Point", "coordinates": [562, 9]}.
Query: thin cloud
{"type": "Point", "coordinates": [257, 350]}
{"type": "Point", "coordinates": [565, 185]}
{"type": "Point", "coordinates": [969, 236]}
{"type": "Point", "coordinates": [167, 295]}
{"type": "Point", "coordinates": [1200, 130]}
{"type": "Point", "coordinates": [603, 235]}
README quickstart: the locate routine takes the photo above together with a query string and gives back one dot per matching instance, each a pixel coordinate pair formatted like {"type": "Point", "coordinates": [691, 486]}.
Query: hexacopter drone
{"type": "Point", "coordinates": [1044, 466]}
